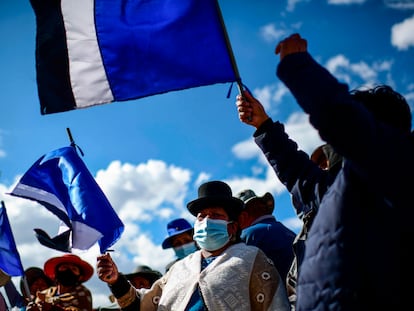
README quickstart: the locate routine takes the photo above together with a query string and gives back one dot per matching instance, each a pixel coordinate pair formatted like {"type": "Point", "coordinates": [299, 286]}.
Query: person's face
{"type": "Point", "coordinates": [181, 239]}
{"type": "Point", "coordinates": [69, 266]}
{"type": "Point", "coordinates": [216, 212]}
{"type": "Point", "coordinates": [213, 213]}
{"type": "Point", "coordinates": [140, 282]}
{"type": "Point", "coordinates": [38, 285]}
{"type": "Point", "coordinates": [244, 220]}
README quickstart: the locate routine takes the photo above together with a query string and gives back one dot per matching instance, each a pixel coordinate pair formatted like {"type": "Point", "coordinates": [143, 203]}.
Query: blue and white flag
{"type": "Point", "coordinates": [62, 183]}
{"type": "Point", "coordinates": [91, 52]}
{"type": "Point", "coordinates": [10, 262]}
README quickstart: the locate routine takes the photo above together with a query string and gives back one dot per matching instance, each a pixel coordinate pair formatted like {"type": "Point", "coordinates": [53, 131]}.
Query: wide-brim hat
{"type": "Point", "coordinates": [216, 193]}
{"type": "Point", "coordinates": [248, 196]}
{"type": "Point", "coordinates": [145, 272]}
{"type": "Point", "coordinates": [52, 263]}
{"type": "Point", "coordinates": [174, 228]}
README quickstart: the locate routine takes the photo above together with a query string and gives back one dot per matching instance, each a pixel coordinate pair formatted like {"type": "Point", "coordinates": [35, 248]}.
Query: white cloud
{"type": "Point", "coordinates": [402, 34]}
{"type": "Point", "coordinates": [270, 33]}
{"type": "Point", "coordinates": [359, 73]}
{"type": "Point", "coordinates": [291, 4]}
{"type": "Point", "coordinates": [144, 191]}
{"type": "Point", "coordinates": [400, 4]}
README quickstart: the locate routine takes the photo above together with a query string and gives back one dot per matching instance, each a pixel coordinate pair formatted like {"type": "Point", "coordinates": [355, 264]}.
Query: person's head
{"type": "Point", "coordinates": [143, 277]}
{"type": "Point", "coordinates": [180, 237]}
{"type": "Point", "coordinates": [36, 280]}
{"type": "Point", "coordinates": [386, 105]}
{"type": "Point", "coordinates": [254, 206]}
{"type": "Point", "coordinates": [68, 270]}
{"type": "Point", "coordinates": [326, 158]}
{"type": "Point", "coordinates": [216, 212]}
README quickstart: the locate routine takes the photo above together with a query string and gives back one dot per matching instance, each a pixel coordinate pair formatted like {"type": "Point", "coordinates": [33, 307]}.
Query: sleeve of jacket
{"type": "Point", "coordinates": [303, 178]}
{"type": "Point", "coordinates": [125, 294]}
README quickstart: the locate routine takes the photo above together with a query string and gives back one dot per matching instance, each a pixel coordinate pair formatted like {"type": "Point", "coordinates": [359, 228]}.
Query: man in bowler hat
{"type": "Point", "coordinates": [225, 274]}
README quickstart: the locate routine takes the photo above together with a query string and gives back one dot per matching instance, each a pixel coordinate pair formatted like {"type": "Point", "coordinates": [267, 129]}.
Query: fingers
{"type": "Point", "coordinates": [106, 269]}
{"type": "Point", "coordinates": [292, 44]}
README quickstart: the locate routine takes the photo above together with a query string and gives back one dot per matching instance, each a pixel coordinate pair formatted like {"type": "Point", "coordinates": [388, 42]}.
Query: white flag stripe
{"type": "Point", "coordinates": [38, 195]}
{"type": "Point", "coordinates": [88, 78]}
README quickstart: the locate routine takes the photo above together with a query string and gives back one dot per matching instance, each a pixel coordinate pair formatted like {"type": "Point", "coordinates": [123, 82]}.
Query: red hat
{"type": "Point", "coordinates": [52, 263]}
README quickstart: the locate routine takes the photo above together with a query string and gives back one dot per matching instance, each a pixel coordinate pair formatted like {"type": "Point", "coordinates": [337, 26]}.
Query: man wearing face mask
{"type": "Point", "coordinates": [180, 238]}
{"type": "Point", "coordinates": [68, 272]}
{"type": "Point", "coordinates": [225, 274]}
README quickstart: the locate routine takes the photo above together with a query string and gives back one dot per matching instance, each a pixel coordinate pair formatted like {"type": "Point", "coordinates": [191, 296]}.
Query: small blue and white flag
{"type": "Point", "coordinates": [91, 52]}
{"type": "Point", "coordinates": [62, 183]}
{"type": "Point", "coordinates": [10, 262]}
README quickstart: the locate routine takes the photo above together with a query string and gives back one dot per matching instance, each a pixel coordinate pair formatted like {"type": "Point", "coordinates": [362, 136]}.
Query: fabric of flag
{"type": "Point", "coordinates": [13, 296]}
{"type": "Point", "coordinates": [10, 262]}
{"type": "Point", "coordinates": [62, 183]}
{"type": "Point", "coordinates": [91, 52]}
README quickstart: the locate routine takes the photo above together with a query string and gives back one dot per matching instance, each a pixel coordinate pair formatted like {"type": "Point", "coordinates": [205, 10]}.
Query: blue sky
{"type": "Point", "coordinates": [150, 155]}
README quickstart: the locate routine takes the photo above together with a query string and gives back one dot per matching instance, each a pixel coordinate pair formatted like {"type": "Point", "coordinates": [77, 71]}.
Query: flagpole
{"type": "Point", "coordinates": [229, 49]}
{"type": "Point", "coordinates": [72, 142]}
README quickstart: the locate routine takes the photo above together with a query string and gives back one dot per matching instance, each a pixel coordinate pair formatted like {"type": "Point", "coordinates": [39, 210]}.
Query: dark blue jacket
{"type": "Point", "coordinates": [274, 239]}
{"type": "Point", "coordinates": [302, 177]}
{"type": "Point", "coordinates": [358, 249]}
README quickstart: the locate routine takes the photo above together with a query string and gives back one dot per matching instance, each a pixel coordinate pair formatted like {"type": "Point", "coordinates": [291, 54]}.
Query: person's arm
{"type": "Point", "coordinates": [291, 165]}
{"type": "Point", "coordinates": [344, 123]}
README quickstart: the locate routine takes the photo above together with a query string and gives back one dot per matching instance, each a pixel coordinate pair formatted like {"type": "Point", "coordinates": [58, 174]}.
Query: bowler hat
{"type": "Point", "coordinates": [216, 193]}
{"type": "Point", "coordinates": [248, 196]}
{"type": "Point", "coordinates": [174, 228]}
{"type": "Point", "coordinates": [52, 263]}
{"type": "Point", "coordinates": [145, 272]}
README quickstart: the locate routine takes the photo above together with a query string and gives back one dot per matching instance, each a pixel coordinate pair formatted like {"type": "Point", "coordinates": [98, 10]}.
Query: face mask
{"type": "Point", "coordinates": [67, 278]}
{"type": "Point", "coordinates": [211, 234]}
{"type": "Point", "coordinates": [185, 249]}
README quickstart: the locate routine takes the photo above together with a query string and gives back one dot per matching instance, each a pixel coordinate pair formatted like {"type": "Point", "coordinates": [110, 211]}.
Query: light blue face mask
{"type": "Point", "coordinates": [211, 234]}
{"type": "Point", "coordinates": [185, 249]}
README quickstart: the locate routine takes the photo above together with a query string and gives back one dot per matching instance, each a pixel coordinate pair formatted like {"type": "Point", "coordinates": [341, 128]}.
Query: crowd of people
{"type": "Point", "coordinates": [351, 253]}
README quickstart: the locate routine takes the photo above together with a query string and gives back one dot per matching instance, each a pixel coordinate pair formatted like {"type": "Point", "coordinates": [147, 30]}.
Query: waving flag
{"type": "Point", "coordinates": [91, 52]}
{"type": "Point", "coordinates": [61, 182]}
{"type": "Point", "coordinates": [10, 262]}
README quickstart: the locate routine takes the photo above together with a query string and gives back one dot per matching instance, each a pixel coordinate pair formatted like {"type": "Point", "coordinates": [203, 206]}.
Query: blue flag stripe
{"type": "Point", "coordinates": [10, 261]}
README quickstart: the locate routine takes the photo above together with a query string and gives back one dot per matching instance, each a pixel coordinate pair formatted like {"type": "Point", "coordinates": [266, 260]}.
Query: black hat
{"type": "Point", "coordinates": [216, 193]}
{"type": "Point", "coordinates": [145, 272]}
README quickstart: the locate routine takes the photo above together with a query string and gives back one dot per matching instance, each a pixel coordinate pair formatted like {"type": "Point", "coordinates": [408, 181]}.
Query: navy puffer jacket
{"type": "Point", "coordinates": [358, 249]}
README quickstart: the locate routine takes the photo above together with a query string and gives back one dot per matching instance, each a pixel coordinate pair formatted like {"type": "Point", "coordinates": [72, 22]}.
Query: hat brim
{"type": "Point", "coordinates": [232, 206]}
{"type": "Point", "coordinates": [152, 277]}
{"type": "Point", "coordinates": [167, 242]}
{"type": "Point", "coordinates": [50, 266]}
